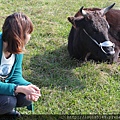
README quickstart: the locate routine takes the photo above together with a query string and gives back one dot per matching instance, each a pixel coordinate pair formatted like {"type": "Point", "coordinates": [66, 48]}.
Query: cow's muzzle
{"type": "Point", "coordinates": [107, 47]}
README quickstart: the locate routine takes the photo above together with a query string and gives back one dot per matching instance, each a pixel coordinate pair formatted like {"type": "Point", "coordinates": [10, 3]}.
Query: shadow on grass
{"type": "Point", "coordinates": [55, 69]}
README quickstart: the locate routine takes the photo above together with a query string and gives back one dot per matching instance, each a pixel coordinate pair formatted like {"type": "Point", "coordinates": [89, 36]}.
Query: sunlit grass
{"type": "Point", "coordinates": [67, 86]}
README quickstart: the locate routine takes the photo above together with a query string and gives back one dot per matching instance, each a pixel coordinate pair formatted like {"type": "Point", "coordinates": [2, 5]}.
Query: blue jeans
{"type": "Point", "coordinates": [8, 103]}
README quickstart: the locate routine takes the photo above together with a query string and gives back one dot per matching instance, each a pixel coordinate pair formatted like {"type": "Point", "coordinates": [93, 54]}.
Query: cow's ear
{"type": "Point", "coordinates": [71, 20]}
{"type": "Point", "coordinates": [76, 21]}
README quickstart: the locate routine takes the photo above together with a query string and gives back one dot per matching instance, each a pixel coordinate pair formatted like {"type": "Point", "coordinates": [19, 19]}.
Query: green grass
{"type": "Point", "coordinates": [67, 86]}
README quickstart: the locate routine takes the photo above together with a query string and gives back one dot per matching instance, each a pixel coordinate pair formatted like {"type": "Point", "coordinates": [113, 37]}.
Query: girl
{"type": "Point", "coordinates": [15, 91]}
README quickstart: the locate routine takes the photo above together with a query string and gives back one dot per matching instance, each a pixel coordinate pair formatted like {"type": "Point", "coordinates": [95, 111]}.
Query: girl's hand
{"type": "Point", "coordinates": [32, 92]}
{"type": "Point", "coordinates": [32, 97]}
{"type": "Point", "coordinates": [35, 95]}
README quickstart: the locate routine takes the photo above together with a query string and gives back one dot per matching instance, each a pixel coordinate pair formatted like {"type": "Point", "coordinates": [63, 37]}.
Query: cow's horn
{"type": "Point", "coordinates": [83, 11]}
{"type": "Point", "coordinates": [105, 10]}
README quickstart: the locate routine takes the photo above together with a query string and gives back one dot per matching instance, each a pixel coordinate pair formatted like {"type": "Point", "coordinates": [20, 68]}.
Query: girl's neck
{"type": "Point", "coordinates": [6, 53]}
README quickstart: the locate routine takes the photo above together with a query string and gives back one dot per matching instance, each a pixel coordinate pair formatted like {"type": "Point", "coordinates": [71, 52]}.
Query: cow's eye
{"type": "Point", "coordinates": [95, 31]}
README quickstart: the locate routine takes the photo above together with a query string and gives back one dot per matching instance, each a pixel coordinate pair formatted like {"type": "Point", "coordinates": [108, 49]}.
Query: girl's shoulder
{"type": "Point", "coordinates": [0, 39]}
{"type": "Point", "coordinates": [0, 35]}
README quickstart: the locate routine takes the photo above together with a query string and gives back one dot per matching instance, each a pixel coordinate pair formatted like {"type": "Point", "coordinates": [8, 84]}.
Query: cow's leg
{"type": "Point", "coordinates": [116, 56]}
{"type": "Point", "coordinates": [86, 56]}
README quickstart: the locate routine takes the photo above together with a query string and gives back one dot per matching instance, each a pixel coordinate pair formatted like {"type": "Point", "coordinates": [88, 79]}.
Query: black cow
{"type": "Point", "coordinates": [93, 35]}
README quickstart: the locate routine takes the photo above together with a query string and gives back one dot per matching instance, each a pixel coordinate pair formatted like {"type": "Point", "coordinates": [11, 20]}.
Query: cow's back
{"type": "Point", "coordinates": [113, 18]}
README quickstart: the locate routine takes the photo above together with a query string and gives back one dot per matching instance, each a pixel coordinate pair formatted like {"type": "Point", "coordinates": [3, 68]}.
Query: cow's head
{"type": "Point", "coordinates": [93, 28]}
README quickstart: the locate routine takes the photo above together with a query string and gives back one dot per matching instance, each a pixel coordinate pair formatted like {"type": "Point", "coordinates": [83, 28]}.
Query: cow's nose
{"type": "Point", "coordinates": [111, 53]}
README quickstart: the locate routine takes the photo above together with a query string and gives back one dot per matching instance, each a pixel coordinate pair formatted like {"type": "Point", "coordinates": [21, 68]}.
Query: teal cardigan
{"type": "Point", "coordinates": [15, 76]}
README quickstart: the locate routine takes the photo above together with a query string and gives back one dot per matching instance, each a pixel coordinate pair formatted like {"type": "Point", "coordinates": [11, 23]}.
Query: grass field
{"type": "Point", "coordinates": [67, 86]}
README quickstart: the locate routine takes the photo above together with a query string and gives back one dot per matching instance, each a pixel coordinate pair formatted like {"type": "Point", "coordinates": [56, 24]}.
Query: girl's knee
{"type": "Point", "coordinates": [7, 103]}
{"type": "Point", "coordinates": [11, 102]}
{"type": "Point", "coordinates": [22, 101]}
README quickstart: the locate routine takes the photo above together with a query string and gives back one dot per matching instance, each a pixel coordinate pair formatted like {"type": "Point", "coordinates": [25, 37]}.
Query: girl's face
{"type": "Point", "coordinates": [27, 38]}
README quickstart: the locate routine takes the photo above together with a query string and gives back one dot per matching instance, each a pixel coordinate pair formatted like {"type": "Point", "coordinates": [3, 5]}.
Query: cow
{"type": "Point", "coordinates": [95, 34]}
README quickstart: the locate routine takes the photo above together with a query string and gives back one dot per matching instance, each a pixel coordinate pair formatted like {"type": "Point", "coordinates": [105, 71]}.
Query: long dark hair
{"type": "Point", "coordinates": [14, 32]}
